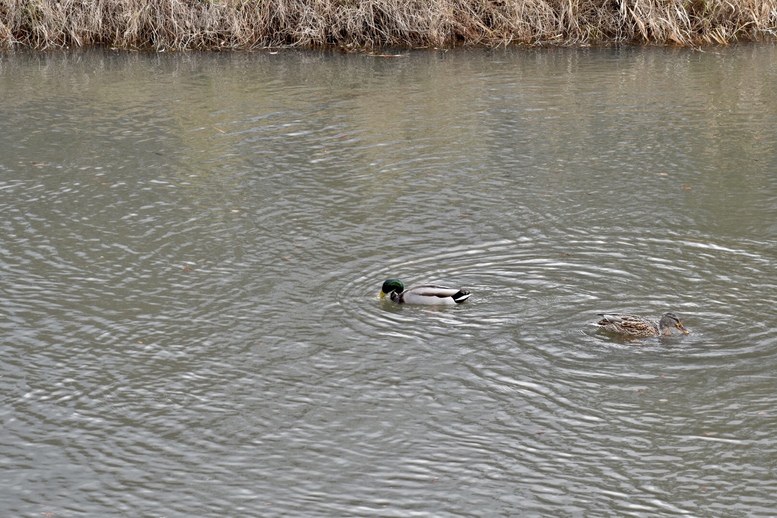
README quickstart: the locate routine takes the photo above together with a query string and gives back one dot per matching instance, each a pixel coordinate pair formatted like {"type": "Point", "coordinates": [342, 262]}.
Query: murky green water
{"type": "Point", "coordinates": [192, 247]}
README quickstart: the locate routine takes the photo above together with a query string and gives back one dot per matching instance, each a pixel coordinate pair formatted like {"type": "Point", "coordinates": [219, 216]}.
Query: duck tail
{"type": "Point", "coordinates": [460, 296]}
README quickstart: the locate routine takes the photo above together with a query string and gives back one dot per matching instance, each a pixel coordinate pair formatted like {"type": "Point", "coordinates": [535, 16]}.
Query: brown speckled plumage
{"type": "Point", "coordinates": [633, 326]}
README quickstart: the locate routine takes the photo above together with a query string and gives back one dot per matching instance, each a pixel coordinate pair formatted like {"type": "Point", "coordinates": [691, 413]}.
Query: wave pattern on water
{"type": "Point", "coordinates": [190, 321]}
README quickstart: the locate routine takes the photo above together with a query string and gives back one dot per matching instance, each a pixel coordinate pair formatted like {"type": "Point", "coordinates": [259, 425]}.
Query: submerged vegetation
{"type": "Point", "coordinates": [247, 24]}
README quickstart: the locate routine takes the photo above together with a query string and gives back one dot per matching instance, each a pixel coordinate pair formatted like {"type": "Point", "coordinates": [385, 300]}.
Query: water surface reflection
{"type": "Point", "coordinates": [192, 247]}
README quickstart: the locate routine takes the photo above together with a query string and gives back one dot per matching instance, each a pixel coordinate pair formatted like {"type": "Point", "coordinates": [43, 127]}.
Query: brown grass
{"type": "Point", "coordinates": [248, 24]}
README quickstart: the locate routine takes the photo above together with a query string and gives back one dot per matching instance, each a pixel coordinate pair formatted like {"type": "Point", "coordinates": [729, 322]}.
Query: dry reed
{"type": "Point", "coordinates": [248, 24]}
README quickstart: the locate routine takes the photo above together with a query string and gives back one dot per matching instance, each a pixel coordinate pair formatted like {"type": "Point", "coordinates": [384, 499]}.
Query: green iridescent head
{"type": "Point", "coordinates": [391, 285]}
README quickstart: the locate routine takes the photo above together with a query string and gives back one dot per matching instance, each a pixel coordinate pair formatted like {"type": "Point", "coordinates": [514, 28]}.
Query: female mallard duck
{"type": "Point", "coordinates": [429, 294]}
{"type": "Point", "coordinates": [632, 326]}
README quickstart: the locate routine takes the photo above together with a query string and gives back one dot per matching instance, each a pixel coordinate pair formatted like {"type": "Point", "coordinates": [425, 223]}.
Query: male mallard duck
{"type": "Point", "coordinates": [429, 294]}
{"type": "Point", "coordinates": [633, 326]}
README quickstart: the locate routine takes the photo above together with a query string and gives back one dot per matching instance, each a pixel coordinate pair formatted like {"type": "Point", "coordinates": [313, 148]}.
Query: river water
{"type": "Point", "coordinates": [192, 247]}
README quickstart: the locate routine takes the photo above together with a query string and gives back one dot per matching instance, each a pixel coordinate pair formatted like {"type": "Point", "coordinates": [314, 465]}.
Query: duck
{"type": "Point", "coordinates": [428, 294]}
{"type": "Point", "coordinates": [633, 326]}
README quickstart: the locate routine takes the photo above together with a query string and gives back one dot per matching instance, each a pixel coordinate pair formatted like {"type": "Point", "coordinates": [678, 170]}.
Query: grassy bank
{"type": "Point", "coordinates": [246, 24]}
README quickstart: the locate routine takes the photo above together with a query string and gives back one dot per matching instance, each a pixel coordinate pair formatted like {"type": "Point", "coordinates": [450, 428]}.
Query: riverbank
{"type": "Point", "coordinates": [354, 24]}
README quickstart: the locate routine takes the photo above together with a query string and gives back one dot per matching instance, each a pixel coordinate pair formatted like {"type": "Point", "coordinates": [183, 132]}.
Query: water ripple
{"type": "Point", "coordinates": [190, 313]}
